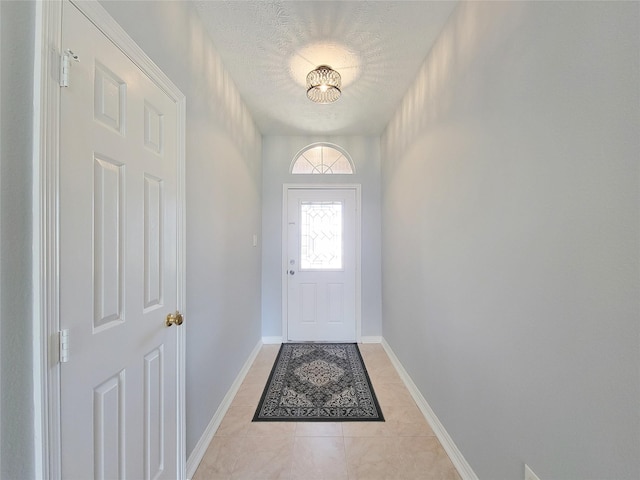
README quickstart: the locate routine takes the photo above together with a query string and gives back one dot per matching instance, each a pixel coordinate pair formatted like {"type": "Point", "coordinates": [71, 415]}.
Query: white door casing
{"type": "Point", "coordinates": [321, 263]}
{"type": "Point", "coordinates": [116, 408]}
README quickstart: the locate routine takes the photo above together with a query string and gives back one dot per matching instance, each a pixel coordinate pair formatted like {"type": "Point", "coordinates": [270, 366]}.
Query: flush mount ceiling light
{"type": "Point", "coordinates": [323, 85]}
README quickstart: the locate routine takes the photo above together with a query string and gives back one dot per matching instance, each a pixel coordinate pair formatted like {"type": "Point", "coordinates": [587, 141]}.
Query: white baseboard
{"type": "Point", "coordinates": [278, 340]}
{"type": "Point", "coordinates": [201, 447]}
{"type": "Point", "coordinates": [370, 339]}
{"type": "Point", "coordinates": [271, 340]}
{"type": "Point", "coordinates": [463, 467]}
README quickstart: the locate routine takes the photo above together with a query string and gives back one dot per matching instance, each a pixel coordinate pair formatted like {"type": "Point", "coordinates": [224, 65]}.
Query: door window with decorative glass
{"type": "Point", "coordinates": [321, 243]}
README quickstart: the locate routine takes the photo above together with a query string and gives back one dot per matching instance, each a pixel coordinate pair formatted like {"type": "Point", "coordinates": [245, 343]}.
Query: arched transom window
{"type": "Point", "coordinates": [322, 158]}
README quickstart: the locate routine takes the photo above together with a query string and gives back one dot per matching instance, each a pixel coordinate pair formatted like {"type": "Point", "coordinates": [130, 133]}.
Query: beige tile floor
{"type": "Point", "coordinates": [402, 447]}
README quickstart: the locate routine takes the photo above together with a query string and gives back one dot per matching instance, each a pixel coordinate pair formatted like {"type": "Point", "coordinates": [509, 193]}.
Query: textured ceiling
{"type": "Point", "coordinates": [268, 47]}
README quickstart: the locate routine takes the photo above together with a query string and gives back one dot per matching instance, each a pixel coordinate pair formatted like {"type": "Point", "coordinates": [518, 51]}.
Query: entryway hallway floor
{"type": "Point", "coordinates": [402, 447]}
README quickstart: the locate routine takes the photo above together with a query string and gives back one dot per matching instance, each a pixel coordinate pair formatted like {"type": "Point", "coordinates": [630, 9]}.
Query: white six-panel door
{"type": "Point", "coordinates": [321, 264]}
{"type": "Point", "coordinates": [118, 264]}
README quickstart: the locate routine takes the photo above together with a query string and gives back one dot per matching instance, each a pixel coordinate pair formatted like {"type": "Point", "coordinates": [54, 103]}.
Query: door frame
{"type": "Point", "coordinates": [46, 284]}
{"type": "Point", "coordinates": [285, 256]}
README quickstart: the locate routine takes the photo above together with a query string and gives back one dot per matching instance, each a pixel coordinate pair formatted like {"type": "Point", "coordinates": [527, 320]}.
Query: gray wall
{"type": "Point", "coordinates": [510, 237]}
{"type": "Point", "coordinates": [278, 153]}
{"type": "Point", "coordinates": [223, 202]}
{"type": "Point", "coordinates": [16, 97]}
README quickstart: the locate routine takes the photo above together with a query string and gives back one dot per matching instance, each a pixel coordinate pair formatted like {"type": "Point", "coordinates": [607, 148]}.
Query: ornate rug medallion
{"type": "Point", "coordinates": [318, 382]}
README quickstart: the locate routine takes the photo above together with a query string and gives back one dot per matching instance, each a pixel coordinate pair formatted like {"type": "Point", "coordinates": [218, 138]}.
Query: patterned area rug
{"type": "Point", "coordinates": [318, 382]}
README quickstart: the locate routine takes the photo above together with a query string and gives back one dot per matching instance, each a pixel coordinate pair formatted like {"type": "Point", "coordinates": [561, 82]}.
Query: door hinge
{"type": "Point", "coordinates": [63, 339]}
{"type": "Point", "coordinates": [65, 61]}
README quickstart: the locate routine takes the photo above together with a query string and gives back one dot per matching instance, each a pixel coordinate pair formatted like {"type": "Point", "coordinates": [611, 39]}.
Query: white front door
{"type": "Point", "coordinates": [118, 264]}
{"type": "Point", "coordinates": [321, 264]}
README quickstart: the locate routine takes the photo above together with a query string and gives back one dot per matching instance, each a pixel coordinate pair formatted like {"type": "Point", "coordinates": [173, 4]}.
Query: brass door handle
{"type": "Point", "coordinates": [174, 318]}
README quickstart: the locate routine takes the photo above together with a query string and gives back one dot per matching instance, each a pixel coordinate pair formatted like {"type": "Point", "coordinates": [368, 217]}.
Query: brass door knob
{"type": "Point", "coordinates": [174, 318]}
